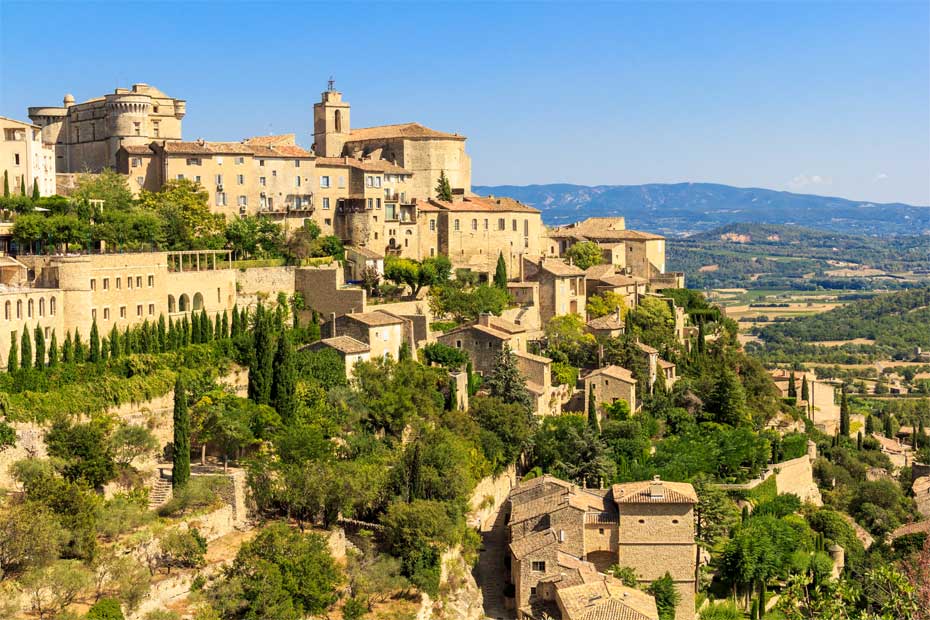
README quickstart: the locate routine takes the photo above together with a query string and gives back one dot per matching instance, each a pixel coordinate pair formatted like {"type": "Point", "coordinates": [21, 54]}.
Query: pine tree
{"type": "Point", "coordinates": [6, 184]}
{"type": "Point", "coordinates": [284, 380]}
{"type": "Point", "coordinates": [80, 352]}
{"type": "Point", "coordinates": [181, 471]}
{"type": "Point", "coordinates": [53, 351]}
{"type": "Point", "coordinates": [67, 349]}
{"type": "Point", "coordinates": [805, 390]}
{"type": "Point", "coordinates": [12, 362]}
{"type": "Point", "coordinates": [94, 352]}
{"type": "Point", "coordinates": [792, 386]}
{"type": "Point", "coordinates": [869, 424]}
{"type": "Point", "coordinates": [234, 328]}
{"type": "Point", "coordinates": [728, 400]}
{"type": "Point", "coordinates": [35, 188]}
{"type": "Point", "coordinates": [844, 414]}
{"type": "Point", "coordinates": [25, 349]}
{"type": "Point", "coordinates": [162, 334]}
{"type": "Point", "coordinates": [592, 410]}
{"type": "Point", "coordinates": [443, 187]}
{"type": "Point", "coordinates": [115, 348]}
{"type": "Point", "coordinates": [260, 369]}
{"type": "Point", "coordinates": [500, 273]}
{"type": "Point", "coordinates": [224, 328]}
{"type": "Point", "coordinates": [40, 348]}
{"type": "Point", "coordinates": [507, 382]}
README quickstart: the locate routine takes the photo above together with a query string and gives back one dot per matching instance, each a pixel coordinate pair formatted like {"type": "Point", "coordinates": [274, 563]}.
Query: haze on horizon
{"type": "Point", "coordinates": [820, 98]}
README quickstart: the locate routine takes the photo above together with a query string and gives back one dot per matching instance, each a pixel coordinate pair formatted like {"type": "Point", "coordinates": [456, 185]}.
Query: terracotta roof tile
{"type": "Point", "coordinates": [641, 493]}
{"type": "Point", "coordinates": [613, 371]}
{"type": "Point", "coordinates": [344, 344]}
{"type": "Point", "coordinates": [286, 139]}
{"type": "Point", "coordinates": [138, 149]}
{"type": "Point", "coordinates": [534, 542]}
{"type": "Point", "coordinates": [367, 165]}
{"type": "Point", "coordinates": [403, 130]}
{"type": "Point", "coordinates": [608, 321]}
{"type": "Point", "coordinates": [375, 318]}
{"type": "Point", "coordinates": [489, 204]}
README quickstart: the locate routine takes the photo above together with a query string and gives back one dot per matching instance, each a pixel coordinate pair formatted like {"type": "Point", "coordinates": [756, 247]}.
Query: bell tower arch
{"type": "Point", "coordinates": [330, 123]}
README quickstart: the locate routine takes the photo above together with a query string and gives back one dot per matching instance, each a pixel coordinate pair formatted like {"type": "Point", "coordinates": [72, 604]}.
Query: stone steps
{"type": "Point", "coordinates": [159, 493]}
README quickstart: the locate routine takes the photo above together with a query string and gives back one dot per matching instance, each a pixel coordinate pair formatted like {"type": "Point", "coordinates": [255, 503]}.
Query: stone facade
{"type": "Point", "coordinates": [25, 158]}
{"type": "Point", "coordinates": [88, 135]}
{"type": "Point", "coordinates": [610, 384]}
{"type": "Point", "coordinates": [484, 341]}
{"type": "Point", "coordinates": [561, 287]}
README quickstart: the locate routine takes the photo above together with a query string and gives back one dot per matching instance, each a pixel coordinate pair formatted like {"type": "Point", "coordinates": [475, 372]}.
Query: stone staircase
{"type": "Point", "coordinates": [160, 492]}
{"type": "Point", "coordinates": [490, 570]}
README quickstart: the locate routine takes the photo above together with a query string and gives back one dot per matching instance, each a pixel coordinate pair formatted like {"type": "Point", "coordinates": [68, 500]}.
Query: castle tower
{"type": "Point", "coordinates": [330, 123]}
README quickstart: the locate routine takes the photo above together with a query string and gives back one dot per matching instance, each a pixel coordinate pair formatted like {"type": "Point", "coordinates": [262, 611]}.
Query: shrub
{"type": "Point", "coordinates": [200, 493]}
{"type": "Point", "coordinates": [105, 609]}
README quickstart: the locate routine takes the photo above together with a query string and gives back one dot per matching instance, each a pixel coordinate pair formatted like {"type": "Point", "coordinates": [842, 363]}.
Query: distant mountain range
{"type": "Point", "coordinates": [682, 209]}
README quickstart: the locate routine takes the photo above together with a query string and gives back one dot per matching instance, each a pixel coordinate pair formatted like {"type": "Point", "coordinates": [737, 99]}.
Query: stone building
{"type": "Point", "coordinates": [67, 293]}
{"type": "Point", "coordinates": [561, 286]}
{"type": "Point", "coordinates": [485, 339]}
{"type": "Point", "coordinates": [425, 152]}
{"type": "Point", "coordinates": [25, 158]}
{"type": "Point", "coordinates": [383, 332]}
{"type": "Point", "coordinates": [88, 135]}
{"type": "Point", "coordinates": [610, 384]}
{"type": "Point", "coordinates": [554, 526]}
{"type": "Point", "coordinates": [351, 351]}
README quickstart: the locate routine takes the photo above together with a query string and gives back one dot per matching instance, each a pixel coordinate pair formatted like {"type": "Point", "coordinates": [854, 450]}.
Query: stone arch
{"type": "Point", "coordinates": [184, 303]}
{"type": "Point", "coordinates": [30, 308]}
{"type": "Point", "coordinates": [172, 305]}
{"type": "Point", "coordinates": [19, 309]}
{"type": "Point", "coordinates": [41, 306]}
{"type": "Point", "coordinates": [602, 560]}
{"type": "Point", "coordinates": [52, 306]}
{"type": "Point", "coordinates": [338, 120]}
{"type": "Point", "coordinates": [198, 302]}
{"type": "Point", "coordinates": [7, 310]}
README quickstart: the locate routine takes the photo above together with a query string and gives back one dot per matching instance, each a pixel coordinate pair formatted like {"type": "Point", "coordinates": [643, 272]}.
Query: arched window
{"type": "Point", "coordinates": [338, 118]}
{"type": "Point", "coordinates": [31, 308]}
{"type": "Point", "coordinates": [184, 303]}
{"type": "Point", "coordinates": [52, 307]}
{"type": "Point", "coordinates": [198, 301]}
{"type": "Point", "coordinates": [171, 304]}
{"type": "Point", "coordinates": [7, 308]}
{"type": "Point", "coordinates": [42, 307]}
{"type": "Point", "coordinates": [474, 224]}
{"type": "Point", "coordinates": [19, 309]}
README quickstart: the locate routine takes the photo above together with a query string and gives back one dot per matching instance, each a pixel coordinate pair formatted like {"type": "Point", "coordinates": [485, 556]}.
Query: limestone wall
{"type": "Point", "coordinates": [263, 283]}
{"type": "Point", "coordinates": [489, 495]}
{"type": "Point", "coordinates": [797, 476]}
{"type": "Point", "coordinates": [324, 291]}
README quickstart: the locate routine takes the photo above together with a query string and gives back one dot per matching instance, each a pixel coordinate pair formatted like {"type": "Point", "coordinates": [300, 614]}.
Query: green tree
{"type": "Point", "coordinates": [105, 609]}
{"type": "Point", "coordinates": [67, 349]}
{"type": "Point", "coordinates": [284, 380]}
{"type": "Point", "coordinates": [727, 400]}
{"type": "Point", "coordinates": [130, 442]}
{"type": "Point", "coordinates": [187, 220]}
{"type": "Point", "coordinates": [83, 450]}
{"type": "Point", "coordinates": [109, 186]}
{"type": "Point", "coordinates": [805, 390]}
{"type": "Point", "coordinates": [869, 424]}
{"type": "Point", "coordinates": [35, 189]}
{"type": "Point", "coordinates": [443, 187]}
{"type": "Point", "coordinates": [182, 549]}
{"type": "Point", "coordinates": [6, 184]}
{"type": "Point", "coordinates": [25, 349]}
{"type": "Point", "coordinates": [12, 358]}
{"type": "Point", "coordinates": [792, 386]}
{"type": "Point", "coordinates": [507, 383]}
{"type": "Point", "coordinates": [500, 272]}
{"type": "Point", "coordinates": [39, 335]}
{"type": "Point", "coordinates": [53, 351]}
{"type": "Point", "coordinates": [606, 303]}
{"type": "Point", "coordinates": [52, 589]}
{"type": "Point", "coordinates": [592, 411]}
{"type": "Point", "coordinates": [94, 352]}
{"type": "Point", "coordinates": [262, 359]}
{"type": "Point", "coordinates": [22, 185]}
{"type": "Point", "coordinates": [181, 461]}
{"type": "Point", "coordinates": [844, 414]}
{"type": "Point", "coordinates": [585, 254]}
{"type": "Point", "coordinates": [667, 597]}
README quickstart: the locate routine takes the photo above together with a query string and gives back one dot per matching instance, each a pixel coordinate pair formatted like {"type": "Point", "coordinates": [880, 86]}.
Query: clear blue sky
{"type": "Point", "coordinates": [823, 97]}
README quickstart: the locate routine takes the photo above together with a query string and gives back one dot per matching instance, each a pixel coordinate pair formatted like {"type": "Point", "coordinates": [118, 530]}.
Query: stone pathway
{"type": "Point", "coordinates": [490, 570]}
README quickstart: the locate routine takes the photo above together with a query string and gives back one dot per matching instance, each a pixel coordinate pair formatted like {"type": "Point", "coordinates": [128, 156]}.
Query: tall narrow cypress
{"type": "Point", "coordinates": [284, 380]}
{"type": "Point", "coordinates": [12, 358]}
{"type": "Point", "coordinates": [94, 352]}
{"type": "Point", "coordinates": [195, 329]}
{"type": "Point", "coordinates": [500, 272]}
{"type": "Point", "coordinates": [234, 328]}
{"type": "Point", "coordinates": [217, 327]}
{"type": "Point", "coordinates": [53, 351]}
{"type": "Point", "coordinates": [67, 349]}
{"type": "Point", "coordinates": [162, 334]}
{"type": "Point", "coordinates": [844, 414]}
{"type": "Point", "coordinates": [40, 348]}
{"type": "Point", "coordinates": [104, 350]}
{"type": "Point", "coordinates": [181, 470]}
{"type": "Point", "coordinates": [25, 349]}
{"type": "Point", "coordinates": [115, 348]}
{"type": "Point", "coordinates": [35, 188]}
{"type": "Point", "coordinates": [592, 410]}
{"type": "Point", "coordinates": [224, 327]}
{"type": "Point", "coordinates": [127, 342]}
{"type": "Point", "coordinates": [185, 331]}
{"type": "Point", "coordinates": [805, 390]}
{"type": "Point", "coordinates": [80, 353]}
{"type": "Point", "coordinates": [260, 369]}
{"type": "Point", "coordinates": [792, 386]}
{"type": "Point", "coordinates": [206, 327]}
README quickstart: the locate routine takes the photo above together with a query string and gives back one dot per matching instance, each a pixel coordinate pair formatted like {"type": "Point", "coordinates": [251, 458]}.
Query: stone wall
{"type": "Point", "coordinates": [259, 283]}
{"type": "Point", "coordinates": [489, 495]}
{"type": "Point", "coordinates": [323, 291]}
{"type": "Point", "coordinates": [797, 476]}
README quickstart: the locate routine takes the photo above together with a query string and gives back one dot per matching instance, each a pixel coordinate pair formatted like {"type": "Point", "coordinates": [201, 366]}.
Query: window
{"type": "Point", "coordinates": [377, 203]}
{"type": "Point", "coordinates": [240, 161]}
{"type": "Point", "coordinates": [326, 203]}
{"type": "Point", "coordinates": [16, 159]}
{"type": "Point", "coordinates": [501, 224]}
{"type": "Point", "coordinates": [240, 179]}
{"type": "Point", "coordinates": [514, 226]}
{"type": "Point", "coordinates": [600, 531]}
{"type": "Point", "coordinates": [151, 281]}
{"type": "Point", "coordinates": [342, 182]}
{"type": "Point", "coordinates": [180, 177]}
{"type": "Point", "coordinates": [526, 228]}
{"type": "Point", "coordinates": [474, 224]}
{"type": "Point", "coordinates": [151, 309]}
{"type": "Point", "coordinates": [19, 309]}
{"type": "Point", "coordinates": [432, 225]}
{"type": "Point", "coordinates": [533, 591]}
{"type": "Point", "coordinates": [106, 283]}
{"type": "Point", "coordinates": [261, 181]}
{"type": "Point", "coordinates": [538, 566]}
{"type": "Point", "coordinates": [274, 173]}
{"type": "Point", "coordinates": [485, 223]}
{"type": "Point", "coordinates": [7, 310]}
{"type": "Point", "coordinates": [261, 162]}
{"type": "Point", "coordinates": [219, 161]}
{"type": "Point", "coordinates": [324, 181]}
{"type": "Point", "coordinates": [432, 251]}
{"type": "Point", "coordinates": [370, 203]}
{"type": "Point", "coordinates": [297, 163]}
{"type": "Point", "coordinates": [297, 181]}
{"type": "Point", "coordinates": [119, 283]}
{"type": "Point", "coordinates": [41, 307]}
{"type": "Point", "coordinates": [193, 161]}
{"type": "Point", "coordinates": [138, 281]}
{"type": "Point", "coordinates": [243, 201]}
{"type": "Point", "coordinates": [122, 312]}
{"type": "Point", "coordinates": [221, 199]}
{"type": "Point", "coordinates": [140, 180]}
{"type": "Point", "coordinates": [137, 128]}
{"type": "Point", "coordinates": [155, 131]}
{"type": "Point", "coordinates": [328, 221]}
{"type": "Point", "coordinates": [219, 179]}
{"type": "Point", "coordinates": [369, 181]}
{"type": "Point", "coordinates": [31, 308]}
{"type": "Point", "coordinates": [106, 314]}
{"type": "Point", "coordinates": [197, 178]}
{"type": "Point", "coordinates": [377, 181]}
{"type": "Point", "coordinates": [139, 310]}
{"type": "Point", "coordinates": [136, 162]}
{"type": "Point", "coordinates": [93, 284]}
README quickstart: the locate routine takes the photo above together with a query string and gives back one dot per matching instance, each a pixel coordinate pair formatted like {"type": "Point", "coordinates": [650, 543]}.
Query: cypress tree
{"type": "Point", "coordinates": [701, 342]}
{"type": "Point", "coordinates": [792, 386]}
{"type": "Point", "coordinates": [284, 380]}
{"type": "Point", "coordinates": [80, 352]}
{"type": "Point", "coordinates": [25, 349]}
{"type": "Point", "coordinates": [844, 414]}
{"type": "Point", "coordinates": [244, 320]}
{"type": "Point", "coordinates": [12, 362]}
{"type": "Point", "coordinates": [414, 485]}
{"type": "Point", "coordinates": [869, 424]}
{"type": "Point", "coordinates": [234, 328]}
{"type": "Point", "coordinates": [628, 323]}
{"type": "Point", "coordinates": [195, 329]}
{"type": "Point", "coordinates": [805, 390]}
{"type": "Point", "coordinates": [443, 187]}
{"type": "Point", "coordinates": [104, 350]}
{"type": "Point", "coordinates": [67, 349]}
{"type": "Point", "coordinates": [35, 188]}
{"type": "Point", "coordinates": [403, 353]}
{"type": "Point", "coordinates": [859, 440]}
{"type": "Point", "coordinates": [146, 333]}
{"type": "Point", "coordinates": [22, 185]}
{"type": "Point", "coordinates": [500, 273]}
{"type": "Point", "coordinates": [453, 395]}
{"type": "Point", "coordinates": [260, 369]}
{"type": "Point", "coordinates": [181, 471]}
{"type": "Point", "coordinates": [206, 327]}
{"type": "Point", "coordinates": [94, 352]}
{"type": "Point", "coordinates": [162, 334]}
{"type": "Point", "coordinates": [53, 351]}
{"type": "Point", "coordinates": [6, 184]}
{"type": "Point", "coordinates": [224, 327]}
{"type": "Point", "coordinates": [592, 410]}
{"type": "Point", "coordinates": [921, 434]}
{"type": "Point", "coordinates": [172, 335]}
{"type": "Point", "coordinates": [115, 347]}
{"type": "Point", "coordinates": [217, 328]}
{"type": "Point", "coordinates": [40, 348]}
{"type": "Point", "coordinates": [185, 331]}
{"type": "Point", "coordinates": [128, 342]}
{"type": "Point", "coordinates": [888, 426]}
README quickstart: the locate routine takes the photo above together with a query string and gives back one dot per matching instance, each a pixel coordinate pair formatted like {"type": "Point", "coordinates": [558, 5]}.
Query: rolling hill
{"type": "Point", "coordinates": [685, 208]}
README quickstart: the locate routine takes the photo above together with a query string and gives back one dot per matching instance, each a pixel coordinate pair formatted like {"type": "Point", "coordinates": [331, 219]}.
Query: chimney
{"type": "Point", "coordinates": [656, 490]}
{"type": "Point", "coordinates": [484, 319]}
{"type": "Point", "coordinates": [333, 315]}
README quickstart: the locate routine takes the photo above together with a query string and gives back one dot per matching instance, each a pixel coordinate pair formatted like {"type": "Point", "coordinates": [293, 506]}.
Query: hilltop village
{"type": "Point", "coordinates": [336, 380]}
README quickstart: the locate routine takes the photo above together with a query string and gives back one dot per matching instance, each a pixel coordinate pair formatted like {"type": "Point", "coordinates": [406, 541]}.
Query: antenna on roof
{"type": "Point", "coordinates": [331, 84]}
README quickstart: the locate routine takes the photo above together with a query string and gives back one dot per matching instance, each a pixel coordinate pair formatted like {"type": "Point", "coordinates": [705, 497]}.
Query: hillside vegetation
{"type": "Point", "coordinates": [897, 322]}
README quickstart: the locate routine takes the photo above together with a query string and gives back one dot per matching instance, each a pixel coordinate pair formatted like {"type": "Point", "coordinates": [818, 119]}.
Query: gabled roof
{"type": "Point", "coordinates": [363, 251]}
{"type": "Point", "coordinates": [645, 348]}
{"type": "Point", "coordinates": [366, 165]}
{"type": "Point", "coordinates": [286, 139]}
{"type": "Point", "coordinates": [603, 270]}
{"type": "Point", "coordinates": [375, 318]}
{"type": "Point", "coordinates": [614, 372]}
{"type": "Point", "coordinates": [606, 322]}
{"type": "Point", "coordinates": [138, 149]}
{"type": "Point", "coordinates": [403, 130]}
{"type": "Point", "coordinates": [622, 280]}
{"type": "Point", "coordinates": [256, 149]}
{"type": "Point", "coordinates": [642, 493]}
{"type": "Point", "coordinates": [344, 344]}
{"type": "Point", "coordinates": [489, 204]}
{"type": "Point", "coordinates": [534, 542]}
{"type": "Point", "coordinates": [601, 229]}
{"type": "Point", "coordinates": [665, 364]}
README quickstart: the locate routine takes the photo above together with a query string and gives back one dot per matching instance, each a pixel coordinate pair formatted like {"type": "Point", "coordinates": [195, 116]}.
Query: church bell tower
{"type": "Point", "coordinates": [330, 123]}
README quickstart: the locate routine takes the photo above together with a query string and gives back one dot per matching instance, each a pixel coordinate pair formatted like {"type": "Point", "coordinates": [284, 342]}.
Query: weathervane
{"type": "Point", "coordinates": [332, 84]}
